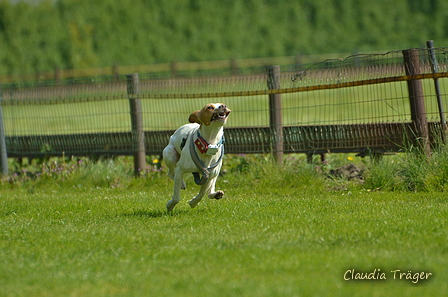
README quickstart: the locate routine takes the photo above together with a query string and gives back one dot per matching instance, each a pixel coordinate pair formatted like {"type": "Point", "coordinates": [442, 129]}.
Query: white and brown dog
{"type": "Point", "coordinates": [197, 148]}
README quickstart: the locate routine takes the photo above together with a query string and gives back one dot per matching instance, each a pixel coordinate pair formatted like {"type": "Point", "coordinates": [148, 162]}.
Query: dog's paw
{"type": "Point", "coordinates": [183, 186]}
{"type": "Point", "coordinates": [193, 202]}
{"type": "Point", "coordinates": [217, 195]}
{"type": "Point", "coordinates": [170, 205]}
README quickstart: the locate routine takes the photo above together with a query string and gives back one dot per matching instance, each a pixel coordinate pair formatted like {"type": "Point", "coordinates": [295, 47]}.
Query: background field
{"type": "Point", "coordinates": [290, 232]}
{"type": "Point", "coordinates": [105, 107]}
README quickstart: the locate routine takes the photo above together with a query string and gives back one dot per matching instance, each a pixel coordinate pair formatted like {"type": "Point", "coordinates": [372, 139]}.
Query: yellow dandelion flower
{"type": "Point", "coordinates": [350, 158]}
{"type": "Point", "coordinates": [155, 161]}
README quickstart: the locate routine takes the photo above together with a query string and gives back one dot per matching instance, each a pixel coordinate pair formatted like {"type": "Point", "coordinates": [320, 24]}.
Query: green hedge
{"type": "Point", "coordinates": [78, 34]}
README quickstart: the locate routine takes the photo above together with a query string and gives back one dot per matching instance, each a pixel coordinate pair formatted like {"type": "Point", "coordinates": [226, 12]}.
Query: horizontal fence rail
{"type": "Point", "coordinates": [235, 65]}
{"type": "Point", "coordinates": [387, 137]}
{"type": "Point", "coordinates": [362, 104]}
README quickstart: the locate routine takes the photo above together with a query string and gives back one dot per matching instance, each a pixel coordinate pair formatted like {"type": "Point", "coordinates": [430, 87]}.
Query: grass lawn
{"type": "Point", "coordinates": [263, 239]}
{"type": "Point", "coordinates": [378, 103]}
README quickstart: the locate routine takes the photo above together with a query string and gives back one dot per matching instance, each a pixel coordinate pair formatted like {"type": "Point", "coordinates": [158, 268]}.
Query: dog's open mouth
{"type": "Point", "coordinates": [220, 116]}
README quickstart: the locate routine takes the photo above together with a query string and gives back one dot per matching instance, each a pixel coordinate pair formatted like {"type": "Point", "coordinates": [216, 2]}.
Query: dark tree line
{"type": "Point", "coordinates": [78, 34]}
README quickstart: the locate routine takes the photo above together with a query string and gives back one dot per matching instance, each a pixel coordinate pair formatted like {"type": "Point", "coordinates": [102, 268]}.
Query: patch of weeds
{"type": "Point", "coordinates": [383, 175]}
{"type": "Point", "coordinates": [78, 172]}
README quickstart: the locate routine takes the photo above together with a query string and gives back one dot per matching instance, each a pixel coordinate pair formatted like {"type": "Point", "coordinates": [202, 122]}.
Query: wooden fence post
{"type": "Point", "coordinates": [138, 135]}
{"type": "Point", "coordinates": [116, 71]}
{"type": "Point", "coordinates": [275, 113]}
{"type": "Point", "coordinates": [417, 100]}
{"type": "Point", "coordinates": [173, 68]}
{"type": "Point", "coordinates": [435, 69]}
{"type": "Point", "coordinates": [233, 67]}
{"type": "Point", "coordinates": [3, 151]}
{"type": "Point", "coordinates": [57, 75]}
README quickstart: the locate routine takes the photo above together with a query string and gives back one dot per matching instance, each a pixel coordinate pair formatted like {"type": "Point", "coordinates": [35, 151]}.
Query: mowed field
{"type": "Point", "coordinates": [277, 232]}
{"type": "Point", "coordinates": [105, 108]}
{"type": "Point", "coordinates": [267, 237]}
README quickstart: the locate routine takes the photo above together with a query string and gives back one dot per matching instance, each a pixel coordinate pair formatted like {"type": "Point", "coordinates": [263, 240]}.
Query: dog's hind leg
{"type": "Point", "coordinates": [171, 157]}
{"type": "Point", "coordinates": [178, 181]}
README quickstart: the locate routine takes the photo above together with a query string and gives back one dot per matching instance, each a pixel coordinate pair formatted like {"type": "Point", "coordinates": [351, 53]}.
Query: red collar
{"type": "Point", "coordinates": [201, 144]}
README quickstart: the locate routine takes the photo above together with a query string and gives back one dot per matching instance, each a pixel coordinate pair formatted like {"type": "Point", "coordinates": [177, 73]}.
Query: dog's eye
{"type": "Point", "coordinates": [210, 107]}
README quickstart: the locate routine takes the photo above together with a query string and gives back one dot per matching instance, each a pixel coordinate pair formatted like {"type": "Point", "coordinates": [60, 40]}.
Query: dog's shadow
{"type": "Point", "coordinates": [153, 214]}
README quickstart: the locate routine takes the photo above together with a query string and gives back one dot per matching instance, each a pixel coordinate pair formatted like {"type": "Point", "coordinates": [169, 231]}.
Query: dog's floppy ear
{"type": "Point", "coordinates": [194, 117]}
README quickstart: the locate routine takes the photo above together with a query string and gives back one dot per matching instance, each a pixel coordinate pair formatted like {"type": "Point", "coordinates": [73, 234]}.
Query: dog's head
{"type": "Point", "coordinates": [210, 114]}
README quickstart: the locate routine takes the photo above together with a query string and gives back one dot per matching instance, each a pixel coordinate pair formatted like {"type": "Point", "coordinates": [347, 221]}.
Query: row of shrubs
{"type": "Point", "coordinates": [410, 171]}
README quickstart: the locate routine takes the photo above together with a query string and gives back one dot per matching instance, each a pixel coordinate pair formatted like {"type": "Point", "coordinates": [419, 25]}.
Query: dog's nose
{"type": "Point", "coordinates": [223, 106]}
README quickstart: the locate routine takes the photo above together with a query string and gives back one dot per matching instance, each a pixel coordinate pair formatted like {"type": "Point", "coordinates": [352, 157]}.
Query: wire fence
{"type": "Point", "coordinates": [173, 67]}
{"type": "Point", "coordinates": [355, 104]}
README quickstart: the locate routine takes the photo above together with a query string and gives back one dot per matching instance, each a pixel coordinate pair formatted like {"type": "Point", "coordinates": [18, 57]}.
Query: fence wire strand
{"type": "Point", "coordinates": [94, 113]}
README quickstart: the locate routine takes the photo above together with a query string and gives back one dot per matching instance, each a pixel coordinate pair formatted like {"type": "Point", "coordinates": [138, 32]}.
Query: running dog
{"type": "Point", "coordinates": [197, 148]}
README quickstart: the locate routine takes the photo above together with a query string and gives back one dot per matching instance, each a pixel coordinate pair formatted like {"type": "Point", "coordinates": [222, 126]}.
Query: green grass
{"type": "Point", "coordinates": [97, 232]}
{"type": "Point", "coordinates": [363, 104]}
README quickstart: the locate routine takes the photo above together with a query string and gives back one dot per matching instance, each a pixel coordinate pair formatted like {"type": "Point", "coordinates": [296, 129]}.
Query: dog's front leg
{"type": "Point", "coordinates": [178, 181]}
{"type": "Point", "coordinates": [195, 201]}
{"type": "Point", "coordinates": [212, 194]}
{"type": "Point", "coordinates": [209, 188]}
